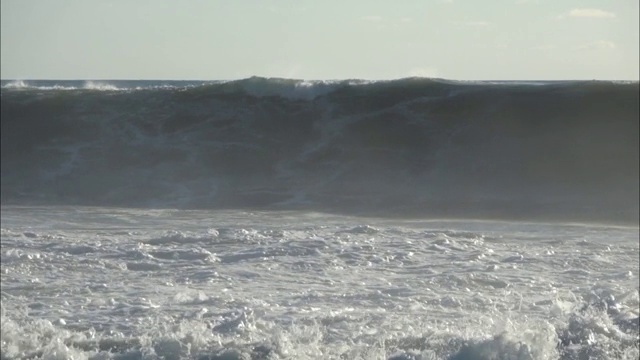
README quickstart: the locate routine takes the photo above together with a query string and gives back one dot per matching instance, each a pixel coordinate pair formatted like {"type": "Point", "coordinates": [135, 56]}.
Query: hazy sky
{"type": "Point", "coordinates": [320, 39]}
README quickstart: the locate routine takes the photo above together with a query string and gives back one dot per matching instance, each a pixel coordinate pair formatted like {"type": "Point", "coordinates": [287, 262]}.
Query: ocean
{"type": "Point", "coordinates": [273, 219]}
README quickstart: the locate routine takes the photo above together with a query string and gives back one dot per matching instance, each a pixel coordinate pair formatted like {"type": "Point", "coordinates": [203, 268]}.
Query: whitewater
{"type": "Point", "coordinates": [286, 219]}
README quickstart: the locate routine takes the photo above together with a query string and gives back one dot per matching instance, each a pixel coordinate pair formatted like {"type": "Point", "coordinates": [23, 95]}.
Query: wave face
{"type": "Point", "coordinates": [537, 150]}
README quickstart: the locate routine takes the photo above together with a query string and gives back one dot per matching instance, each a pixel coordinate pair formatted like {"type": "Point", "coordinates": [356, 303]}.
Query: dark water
{"type": "Point", "coordinates": [419, 147]}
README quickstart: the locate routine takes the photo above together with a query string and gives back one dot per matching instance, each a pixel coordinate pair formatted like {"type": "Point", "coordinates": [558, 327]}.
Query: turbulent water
{"type": "Point", "coordinates": [280, 219]}
{"type": "Point", "coordinates": [111, 283]}
{"type": "Point", "coordinates": [555, 150]}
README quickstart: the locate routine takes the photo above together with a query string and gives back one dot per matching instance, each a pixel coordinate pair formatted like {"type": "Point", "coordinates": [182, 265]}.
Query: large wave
{"type": "Point", "coordinates": [537, 150]}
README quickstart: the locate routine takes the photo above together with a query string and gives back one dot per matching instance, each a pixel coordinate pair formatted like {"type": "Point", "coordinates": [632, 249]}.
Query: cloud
{"type": "Point", "coordinates": [372, 18]}
{"type": "Point", "coordinates": [591, 13]}
{"type": "Point", "coordinates": [598, 45]}
{"type": "Point", "coordinates": [473, 23]}
{"type": "Point", "coordinates": [477, 23]}
{"type": "Point", "coordinates": [544, 47]}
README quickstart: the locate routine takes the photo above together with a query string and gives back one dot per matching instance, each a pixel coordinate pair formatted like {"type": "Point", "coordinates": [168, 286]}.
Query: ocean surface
{"type": "Point", "coordinates": [277, 219]}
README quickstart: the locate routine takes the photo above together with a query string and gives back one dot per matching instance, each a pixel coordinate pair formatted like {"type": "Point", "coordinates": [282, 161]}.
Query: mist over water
{"type": "Point", "coordinates": [410, 147]}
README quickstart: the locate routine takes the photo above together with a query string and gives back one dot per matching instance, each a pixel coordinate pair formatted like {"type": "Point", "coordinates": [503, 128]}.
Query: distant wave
{"type": "Point", "coordinates": [410, 146]}
{"type": "Point", "coordinates": [45, 85]}
{"type": "Point", "coordinates": [257, 86]}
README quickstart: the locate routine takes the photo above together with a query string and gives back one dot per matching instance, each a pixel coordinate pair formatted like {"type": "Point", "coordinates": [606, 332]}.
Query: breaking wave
{"type": "Point", "coordinates": [535, 150]}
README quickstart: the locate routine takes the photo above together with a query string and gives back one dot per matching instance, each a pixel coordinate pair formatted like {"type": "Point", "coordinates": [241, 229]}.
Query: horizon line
{"type": "Point", "coordinates": [318, 80]}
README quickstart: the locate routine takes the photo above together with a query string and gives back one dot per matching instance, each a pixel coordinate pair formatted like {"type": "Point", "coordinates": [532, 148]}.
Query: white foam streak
{"type": "Point", "coordinates": [88, 85]}
{"type": "Point", "coordinates": [25, 85]}
{"type": "Point", "coordinates": [91, 85]}
{"type": "Point", "coordinates": [16, 84]}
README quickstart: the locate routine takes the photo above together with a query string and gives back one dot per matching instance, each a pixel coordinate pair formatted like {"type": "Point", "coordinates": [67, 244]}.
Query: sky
{"type": "Point", "coordinates": [320, 40]}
